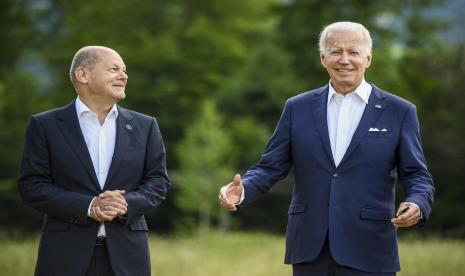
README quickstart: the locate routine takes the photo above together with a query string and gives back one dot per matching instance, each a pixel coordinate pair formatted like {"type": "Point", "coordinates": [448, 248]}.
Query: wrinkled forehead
{"type": "Point", "coordinates": [345, 38]}
{"type": "Point", "coordinates": [111, 57]}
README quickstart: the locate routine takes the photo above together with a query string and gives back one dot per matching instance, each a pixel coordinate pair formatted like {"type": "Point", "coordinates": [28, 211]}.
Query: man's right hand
{"type": "Point", "coordinates": [230, 195]}
{"type": "Point", "coordinates": [108, 205]}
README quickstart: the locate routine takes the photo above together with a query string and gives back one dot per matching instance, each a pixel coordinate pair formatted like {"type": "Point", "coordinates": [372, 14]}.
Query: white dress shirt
{"type": "Point", "coordinates": [100, 141]}
{"type": "Point", "coordinates": [344, 114]}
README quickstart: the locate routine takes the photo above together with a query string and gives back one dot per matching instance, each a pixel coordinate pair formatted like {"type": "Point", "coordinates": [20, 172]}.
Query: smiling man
{"type": "Point", "coordinates": [94, 169]}
{"type": "Point", "coordinates": [348, 142]}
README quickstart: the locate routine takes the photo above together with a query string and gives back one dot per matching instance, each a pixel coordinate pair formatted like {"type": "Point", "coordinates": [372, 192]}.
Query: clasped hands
{"type": "Point", "coordinates": [109, 205]}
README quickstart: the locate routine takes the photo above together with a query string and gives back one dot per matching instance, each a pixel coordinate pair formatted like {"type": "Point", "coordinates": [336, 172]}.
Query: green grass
{"type": "Point", "coordinates": [249, 254]}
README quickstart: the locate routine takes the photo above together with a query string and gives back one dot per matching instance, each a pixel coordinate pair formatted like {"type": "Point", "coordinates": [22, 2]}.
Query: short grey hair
{"type": "Point", "coordinates": [85, 57]}
{"type": "Point", "coordinates": [345, 25]}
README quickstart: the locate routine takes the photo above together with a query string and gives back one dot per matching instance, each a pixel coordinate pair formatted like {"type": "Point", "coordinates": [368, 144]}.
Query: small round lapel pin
{"type": "Point", "coordinates": [128, 127]}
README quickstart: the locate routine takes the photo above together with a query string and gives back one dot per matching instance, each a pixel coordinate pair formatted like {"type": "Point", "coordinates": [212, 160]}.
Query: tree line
{"type": "Point", "coordinates": [216, 74]}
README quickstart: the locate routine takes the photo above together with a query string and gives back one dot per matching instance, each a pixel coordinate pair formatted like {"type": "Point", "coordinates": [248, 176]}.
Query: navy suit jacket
{"type": "Point", "coordinates": [58, 178]}
{"type": "Point", "coordinates": [351, 204]}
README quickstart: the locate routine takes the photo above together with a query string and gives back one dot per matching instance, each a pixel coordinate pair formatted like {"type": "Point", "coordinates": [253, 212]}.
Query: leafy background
{"type": "Point", "coordinates": [216, 74]}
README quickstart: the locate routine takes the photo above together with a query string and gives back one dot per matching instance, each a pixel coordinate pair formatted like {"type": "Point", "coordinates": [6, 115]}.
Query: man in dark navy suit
{"type": "Point", "coordinates": [348, 142]}
{"type": "Point", "coordinates": [94, 168]}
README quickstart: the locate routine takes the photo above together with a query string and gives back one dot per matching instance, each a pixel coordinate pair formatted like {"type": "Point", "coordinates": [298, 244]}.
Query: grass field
{"type": "Point", "coordinates": [248, 254]}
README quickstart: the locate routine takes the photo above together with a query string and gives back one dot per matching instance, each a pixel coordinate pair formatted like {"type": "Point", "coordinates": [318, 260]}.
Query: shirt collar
{"type": "Point", "coordinates": [83, 108]}
{"type": "Point", "coordinates": [363, 91]}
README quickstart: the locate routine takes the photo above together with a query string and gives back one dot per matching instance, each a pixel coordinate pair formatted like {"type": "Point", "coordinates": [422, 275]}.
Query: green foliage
{"type": "Point", "coordinates": [18, 100]}
{"type": "Point", "coordinates": [261, 89]}
{"type": "Point", "coordinates": [250, 137]}
{"type": "Point", "coordinates": [246, 57]}
{"type": "Point", "coordinates": [205, 164]}
{"type": "Point", "coordinates": [438, 96]}
{"type": "Point", "coordinates": [178, 53]}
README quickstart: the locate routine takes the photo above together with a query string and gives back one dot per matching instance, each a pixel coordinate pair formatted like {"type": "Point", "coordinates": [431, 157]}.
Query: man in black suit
{"type": "Point", "coordinates": [94, 168]}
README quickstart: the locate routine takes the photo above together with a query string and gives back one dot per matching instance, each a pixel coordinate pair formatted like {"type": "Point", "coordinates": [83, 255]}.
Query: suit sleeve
{"type": "Point", "coordinates": [155, 182]}
{"type": "Point", "coordinates": [275, 162]}
{"type": "Point", "coordinates": [412, 171]}
{"type": "Point", "coordinates": [36, 185]}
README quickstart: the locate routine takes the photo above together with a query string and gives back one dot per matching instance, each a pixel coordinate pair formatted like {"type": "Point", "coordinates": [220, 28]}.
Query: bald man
{"type": "Point", "coordinates": [94, 169]}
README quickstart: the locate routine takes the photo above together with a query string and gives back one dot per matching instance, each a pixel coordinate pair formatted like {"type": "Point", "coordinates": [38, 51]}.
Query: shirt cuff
{"type": "Point", "coordinates": [90, 206]}
{"type": "Point", "coordinates": [242, 197]}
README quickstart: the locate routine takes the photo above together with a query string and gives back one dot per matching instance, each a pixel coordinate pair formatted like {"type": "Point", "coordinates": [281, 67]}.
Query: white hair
{"type": "Point", "coordinates": [346, 26]}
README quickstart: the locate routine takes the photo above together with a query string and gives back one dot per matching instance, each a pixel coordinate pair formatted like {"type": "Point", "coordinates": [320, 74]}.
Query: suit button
{"type": "Point", "coordinates": [335, 175]}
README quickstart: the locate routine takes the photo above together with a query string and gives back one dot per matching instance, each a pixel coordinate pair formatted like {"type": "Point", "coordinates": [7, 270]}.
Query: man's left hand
{"type": "Point", "coordinates": [113, 203]}
{"type": "Point", "coordinates": [407, 215]}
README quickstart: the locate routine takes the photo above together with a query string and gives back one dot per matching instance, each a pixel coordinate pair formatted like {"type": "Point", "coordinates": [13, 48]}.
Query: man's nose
{"type": "Point", "coordinates": [344, 58]}
{"type": "Point", "coordinates": [123, 75]}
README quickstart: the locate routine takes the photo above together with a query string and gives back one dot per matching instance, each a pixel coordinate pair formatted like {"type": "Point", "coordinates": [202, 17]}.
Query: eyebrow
{"type": "Point", "coordinates": [116, 65]}
{"type": "Point", "coordinates": [340, 48]}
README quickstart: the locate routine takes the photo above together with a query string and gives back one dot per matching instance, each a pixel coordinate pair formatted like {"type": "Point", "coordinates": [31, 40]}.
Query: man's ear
{"type": "Point", "coordinates": [82, 75]}
{"type": "Point", "coordinates": [369, 58]}
{"type": "Point", "coordinates": [322, 59]}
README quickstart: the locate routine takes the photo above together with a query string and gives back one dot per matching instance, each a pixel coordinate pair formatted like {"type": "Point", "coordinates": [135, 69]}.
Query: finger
{"type": "Point", "coordinates": [223, 193]}
{"type": "Point", "coordinates": [408, 212]}
{"type": "Point", "coordinates": [403, 207]}
{"type": "Point", "coordinates": [107, 194]}
{"type": "Point", "coordinates": [113, 211]}
{"type": "Point", "coordinates": [407, 219]}
{"type": "Point", "coordinates": [228, 206]}
{"type": "Point", "coordinates": [116, 200]}
{"type": "Point", "coordinates": [405, 224]}
{"type": "Point", "coordinates": [94, 215]}
{"type": "Point", "coordinates": [108, 212]}
{"type": "Point", "coordinates": [102, 215]}
{"type": "Point", "coordinates": [115, 193]}
{"type": "Point", "coordinates": [114, 205]}
{"type": "Point", "coordinates": [226, 203]}
{"type": "Point", "coordinates": [237, 180]}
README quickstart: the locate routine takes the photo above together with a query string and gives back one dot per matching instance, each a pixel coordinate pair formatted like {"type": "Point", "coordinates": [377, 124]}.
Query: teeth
{"type": "Point", "coordinates": [343, 70]}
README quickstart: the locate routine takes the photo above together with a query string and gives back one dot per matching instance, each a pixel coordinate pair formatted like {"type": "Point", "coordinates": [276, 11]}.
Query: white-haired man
{"type": "Point", "coordinates": [348, 143]}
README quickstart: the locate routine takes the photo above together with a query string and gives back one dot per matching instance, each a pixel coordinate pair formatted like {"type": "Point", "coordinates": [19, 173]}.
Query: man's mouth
{"type": "Point", "coordinates": [343, 70]}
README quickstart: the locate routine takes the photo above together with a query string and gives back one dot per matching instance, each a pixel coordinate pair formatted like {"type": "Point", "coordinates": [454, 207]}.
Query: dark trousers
{"type": "Point", "coordinates": [100, 263]}
{"type": "Point", "coordinates": [324, 265]}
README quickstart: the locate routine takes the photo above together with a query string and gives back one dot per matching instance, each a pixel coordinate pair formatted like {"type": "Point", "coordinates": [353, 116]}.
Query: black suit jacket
{"type": "Point", "coordinates": [58, 178]}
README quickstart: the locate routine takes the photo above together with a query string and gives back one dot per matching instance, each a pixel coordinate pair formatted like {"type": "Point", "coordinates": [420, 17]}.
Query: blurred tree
{"type": "Point", "coordinates": [261, 88]}
{"type": "Point", "coordinates": [246, 56]}
{"type": "Point", "coordinates": [410, 59]}
{"type": "Point", "coordinates": [19, 98]}
{"type": "Point", "coordinates": [178, 53]}
{"type": "Point", "coordinates": [435, 73]}
{"type": "Point", "coordinates": [205, 164]}
{"type": "Point", "coordinates": [18, 93]}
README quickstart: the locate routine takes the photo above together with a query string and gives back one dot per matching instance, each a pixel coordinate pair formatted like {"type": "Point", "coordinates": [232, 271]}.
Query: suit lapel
{"type": "Point", "coordinates": [124, 138]}
{"type": "Point", "coordinates": [373, 110]}
{"type": "Point", "coordinates": [320, 107]}
{"type": "Point", "coordinates": [68, 124]}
